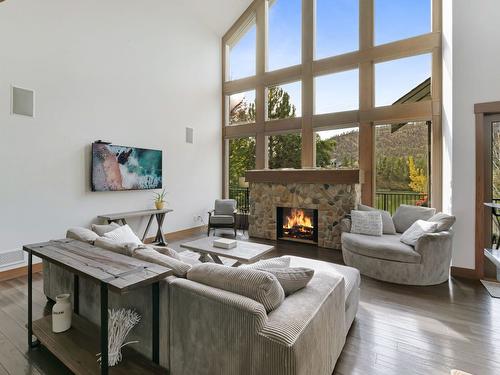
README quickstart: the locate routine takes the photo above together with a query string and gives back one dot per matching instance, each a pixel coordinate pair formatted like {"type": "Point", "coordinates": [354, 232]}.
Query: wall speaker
{"type": "Point", "coordinates": [23, 102]}
{"type": "Point", "coordinates": [189, 135]}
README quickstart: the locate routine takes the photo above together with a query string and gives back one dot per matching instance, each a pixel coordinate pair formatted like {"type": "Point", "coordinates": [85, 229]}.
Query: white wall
{"type": "Point", "coordinates": [473, 62]}
{"type": "Point", "coordinates": [130, 72]}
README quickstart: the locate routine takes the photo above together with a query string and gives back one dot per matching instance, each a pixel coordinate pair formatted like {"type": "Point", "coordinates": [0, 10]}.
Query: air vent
{"type": "Point", "coordinates": [11, 257]}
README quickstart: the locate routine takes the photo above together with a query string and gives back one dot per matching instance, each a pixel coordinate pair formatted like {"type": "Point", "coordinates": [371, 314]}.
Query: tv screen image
{"type": "Point", "coordinates": [116, 168]}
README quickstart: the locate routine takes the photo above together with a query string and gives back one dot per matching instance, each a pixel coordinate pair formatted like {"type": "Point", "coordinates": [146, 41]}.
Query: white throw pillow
{"type": "Point", "coordinates": [366, 222]}
{"type": "Point", "coordinates": [417, 230]}
{"type": "Point", "coordinates": [123, 234]}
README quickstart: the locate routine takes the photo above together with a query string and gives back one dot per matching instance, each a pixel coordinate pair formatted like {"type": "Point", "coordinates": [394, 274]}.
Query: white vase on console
{"type": "Point", "coordinates": [61, 314]}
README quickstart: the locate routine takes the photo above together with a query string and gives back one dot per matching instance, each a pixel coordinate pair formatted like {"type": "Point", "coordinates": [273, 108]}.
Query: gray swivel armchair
{"type": "Point", "coordinates": [223, 216]}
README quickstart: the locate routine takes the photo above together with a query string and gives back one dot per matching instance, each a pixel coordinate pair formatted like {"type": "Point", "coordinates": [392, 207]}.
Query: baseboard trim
{"type": "Point", "coordinates": [465, 273]}
{"type": "Point", "coordinates": [181, 234]}
{"type": "Point", "coordinates": [20, 271]}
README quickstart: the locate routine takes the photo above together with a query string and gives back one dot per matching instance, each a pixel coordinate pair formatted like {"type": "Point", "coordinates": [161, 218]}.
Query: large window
{"type": "Point", "coordinates": [337, 92]}
{"type": "Point", "coordinates": [337, 27]}
{"type": "Point", "coordinates": [242, 54]}
{"type": "Point", "coordinates": [338, 148]}
{"type": "Point", "coordinates": [284, 33]}
{"type": "Point", "coordinates": [396, 79]}
{"type": "Point", "coordinates": [241, 159]}
{"type": "Point", "coordinates": [311, 80]}
{"type": "Point", "coordinates": [401, 19]}
{"type": "Point", "coordinates": [284, 101]}
{"type": "Point", "coordinates": [284, 151]}
{"type": "Point", "coordinates": [402, 164]}
{"type": "Point", "coordinates": [242, 108]}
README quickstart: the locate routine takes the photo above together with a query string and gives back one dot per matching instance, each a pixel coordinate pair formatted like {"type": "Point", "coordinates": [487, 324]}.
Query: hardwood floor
{"type": "Point", "coordinates": [398, 329]}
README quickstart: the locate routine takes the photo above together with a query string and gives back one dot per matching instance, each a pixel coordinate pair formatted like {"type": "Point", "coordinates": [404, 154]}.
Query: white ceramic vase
{"type": "Point", "coordinates": [61, 314]}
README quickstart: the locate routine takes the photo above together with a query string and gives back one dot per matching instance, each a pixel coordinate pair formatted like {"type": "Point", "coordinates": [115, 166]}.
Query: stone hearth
{"type": "Point", "coordinates": [333, 202]}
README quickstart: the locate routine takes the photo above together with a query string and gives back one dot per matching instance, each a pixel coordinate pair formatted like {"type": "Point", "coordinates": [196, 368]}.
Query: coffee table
{"type": "Point", "coordinates": [244, 252]}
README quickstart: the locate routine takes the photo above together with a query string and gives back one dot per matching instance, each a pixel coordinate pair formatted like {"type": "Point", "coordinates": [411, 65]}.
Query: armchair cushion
{"type": "Point", "coordinates": [225, 206]}
{"type": "Point", "coordinates": [258, 285]}
{"type": "Point", "coordinates": [222, 219]}
{"type": "Point", "coordinates": [387, 223]}
{"type": "Point", "coordinates": [406, 215]}
{"type": "Point", "coordinates": [388, 247]}
{"type": "Point", "coordinates": [417, 230]}
{"type": "Point", "coordinates": [445, 221]}
{"type": "Point", "coordinates": [366, 222]}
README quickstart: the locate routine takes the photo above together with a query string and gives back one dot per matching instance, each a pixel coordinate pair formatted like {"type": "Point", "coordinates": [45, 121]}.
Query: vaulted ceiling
{"type": "Point", "coordinates": [218, 15]}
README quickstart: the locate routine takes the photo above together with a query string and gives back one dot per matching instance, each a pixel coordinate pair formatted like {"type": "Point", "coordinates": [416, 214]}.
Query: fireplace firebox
{"type": "Point", "coordinates": [297, 224]}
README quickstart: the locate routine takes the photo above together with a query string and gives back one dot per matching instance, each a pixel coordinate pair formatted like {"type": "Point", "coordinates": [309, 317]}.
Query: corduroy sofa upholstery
{"type": "Point", "coordinates": [206, 330]}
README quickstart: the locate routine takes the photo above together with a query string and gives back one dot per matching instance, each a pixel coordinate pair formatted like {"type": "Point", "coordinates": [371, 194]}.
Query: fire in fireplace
{"type": "Point", "coordinates": [297, 224]}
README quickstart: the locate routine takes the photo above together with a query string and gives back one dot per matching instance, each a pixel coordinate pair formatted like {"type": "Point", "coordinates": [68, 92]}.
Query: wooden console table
{"type": "Point", "coordinates": [158, 214]}
{"type": "Point", "coordinates": [77, 347]}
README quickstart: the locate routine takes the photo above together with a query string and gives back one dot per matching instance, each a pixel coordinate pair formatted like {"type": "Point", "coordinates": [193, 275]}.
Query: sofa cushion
{"type": "Point", "coordinates": [105, 228]}
{"type": "Point", "coordinates": [388, 247]}
{"type": "Point", "coordinates": [260, 286]}
{"type": "Point", "coordinates": [366, 222]}
{"type": "Point", "coordinates": [167, 251]}
{"type": "Point", "coordinates": [222, 219]}
{"type": "Point", "coordinates": [82, 234]}
{"type": "Point", "coordinates": [406, 215]}
{"type": "Point", "coordinates": [115, 247]}
{"type": "Point", "coordinates": [291, 279]}
{"type": "Point", "coordinates": [387, 223]}
{"type": "Point", "coordinates": [445, 221]}
{"type": "Point", "coordinates": [148, 254]}
{"type": "Point", "coordinates": [281, 262]}
{"type": "Point", "coordinates": [417, 230]}
{"type": "Point", "coordinates": [123, 234]}
{"type": "Point", "coordinates": [352, 278]}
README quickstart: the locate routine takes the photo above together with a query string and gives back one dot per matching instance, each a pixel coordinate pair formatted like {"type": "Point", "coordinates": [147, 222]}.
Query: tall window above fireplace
{"type": "Point", "coordinates": [297, 224]}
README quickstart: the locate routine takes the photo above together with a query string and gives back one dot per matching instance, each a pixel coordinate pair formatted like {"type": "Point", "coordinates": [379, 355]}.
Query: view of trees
{"type": "Point", "coordinates": [284, 150]}
{"type": "Point", "coordinates": [401, 150]}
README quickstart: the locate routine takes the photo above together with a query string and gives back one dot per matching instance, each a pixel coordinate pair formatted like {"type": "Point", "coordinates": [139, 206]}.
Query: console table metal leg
{"type": "Point", "coordinates": [31, 343]}
{"type": "Point", "coordinates": [104, 329]}
{"type": "Point", "coordinates": [76, 294]}
{"type": "Point", "coordinates": [156, 322]}
{"type": "Point", "coordinates": [160, 238]}
{"type": "Point", "coordinates": [147, 228]}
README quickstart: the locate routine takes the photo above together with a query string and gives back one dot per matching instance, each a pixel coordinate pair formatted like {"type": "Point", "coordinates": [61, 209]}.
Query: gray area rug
{"type": "Point", "coordinates": [492, 288]}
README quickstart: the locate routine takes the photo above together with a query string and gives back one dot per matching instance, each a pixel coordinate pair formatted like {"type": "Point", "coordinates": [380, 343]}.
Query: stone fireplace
{"type": "Point", "coordinates": [313, 202]}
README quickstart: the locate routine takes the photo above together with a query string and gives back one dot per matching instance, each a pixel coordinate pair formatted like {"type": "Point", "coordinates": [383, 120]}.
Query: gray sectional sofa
{"type": "Point", "coordinates": [206, 330]}
{"type": "Point", "coordinates": [388, 259]}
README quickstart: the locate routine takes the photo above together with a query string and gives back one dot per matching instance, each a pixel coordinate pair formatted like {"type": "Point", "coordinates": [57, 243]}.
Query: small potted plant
{"type": "Point", "coordinates": [160, 199]}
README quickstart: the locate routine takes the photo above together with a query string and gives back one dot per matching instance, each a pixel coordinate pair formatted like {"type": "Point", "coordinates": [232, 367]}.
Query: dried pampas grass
{"type": "Point", "coordinates": [120, 323]}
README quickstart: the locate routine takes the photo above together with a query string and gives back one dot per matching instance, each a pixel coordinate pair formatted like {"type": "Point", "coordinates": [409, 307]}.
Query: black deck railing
{"type": "Point", "coordinates": [390, 200]}
{"type": "Point", "coordinates": [385, 200]}
{"type": "Point", "coordinates": [242, 197]}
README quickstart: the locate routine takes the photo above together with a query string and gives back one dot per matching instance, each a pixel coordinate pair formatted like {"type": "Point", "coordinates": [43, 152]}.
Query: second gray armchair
{"type": "Point", "coordinates": [223, 215]}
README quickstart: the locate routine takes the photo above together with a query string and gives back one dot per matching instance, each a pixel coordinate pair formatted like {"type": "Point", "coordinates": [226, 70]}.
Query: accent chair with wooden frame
{"type": "Point", "coordinates": [223, 215]}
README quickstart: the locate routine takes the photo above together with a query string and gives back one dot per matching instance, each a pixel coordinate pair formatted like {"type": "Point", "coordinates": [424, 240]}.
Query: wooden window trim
{"type": "Point", "coordinates": [366, 117]}
{"type": "Point", "coordinates": [483, 181]}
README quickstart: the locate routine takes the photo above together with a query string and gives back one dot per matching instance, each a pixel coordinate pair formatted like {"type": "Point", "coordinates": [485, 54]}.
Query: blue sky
{"type": "Point", "coordinates": [337, 33]}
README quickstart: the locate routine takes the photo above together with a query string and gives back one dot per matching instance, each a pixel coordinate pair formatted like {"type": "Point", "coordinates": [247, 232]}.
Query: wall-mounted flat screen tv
{"type": "Point", "coordinates": [116, 168]}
